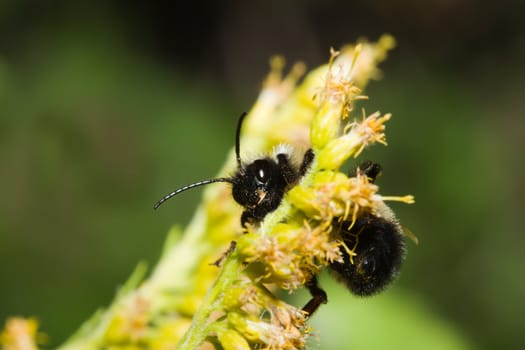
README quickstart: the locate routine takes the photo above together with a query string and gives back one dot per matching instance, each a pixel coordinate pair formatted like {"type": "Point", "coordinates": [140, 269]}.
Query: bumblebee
{"type": "Point", "coordinates": [377, 251]}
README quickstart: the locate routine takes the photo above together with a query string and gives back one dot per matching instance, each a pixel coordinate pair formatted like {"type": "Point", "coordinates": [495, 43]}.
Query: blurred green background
{"type": "Point", "coordinates": [106, 105]}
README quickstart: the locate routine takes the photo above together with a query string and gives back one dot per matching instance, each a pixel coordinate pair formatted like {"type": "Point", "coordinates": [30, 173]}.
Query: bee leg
{"type": "Point", "coordinates": [291, 175]}
{"type": "Point", "coordinates": [370, 169]}
{"type": "Point", "coordinates": [248, 218]}
{"type": "Point", "coordinates": [318, 297]}
{"type": "Point", "coordinates": [245, 217]}
{"type": "Point", "coordinates": [307, 161]}
{"type": "Point", "coordinates": [230, 250]}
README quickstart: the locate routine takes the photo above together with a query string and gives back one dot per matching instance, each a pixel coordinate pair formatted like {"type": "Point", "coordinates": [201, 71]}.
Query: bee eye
{"type": "Point", "coordinates": [262, 171]}
{"type": "Point", "coordinates": [261, 175]}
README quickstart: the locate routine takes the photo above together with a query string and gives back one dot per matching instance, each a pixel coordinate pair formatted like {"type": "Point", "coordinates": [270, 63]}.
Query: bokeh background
{"type": "Point", "coordinates": [106, 105]}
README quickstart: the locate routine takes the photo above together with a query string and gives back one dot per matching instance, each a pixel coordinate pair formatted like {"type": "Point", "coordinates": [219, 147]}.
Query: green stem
{"type": "Point", "coordinates": [199, 328]}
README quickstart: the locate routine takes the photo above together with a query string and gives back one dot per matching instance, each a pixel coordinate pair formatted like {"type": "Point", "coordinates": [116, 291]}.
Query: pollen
{"type": "Point", "coordinates": [132, 321]}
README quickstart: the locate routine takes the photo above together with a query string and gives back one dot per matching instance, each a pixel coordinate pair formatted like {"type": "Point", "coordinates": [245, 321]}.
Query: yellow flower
{"type": "Point", "coordinates": [20, 334]}
{"type": "Point", "coordinates": [232, 303]}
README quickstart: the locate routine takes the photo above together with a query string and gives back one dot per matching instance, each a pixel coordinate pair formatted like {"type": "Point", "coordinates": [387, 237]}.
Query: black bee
{"type": "Point", "coordinates": [260, 185]}
{"type": "Point", "coordinates": [378, 244]}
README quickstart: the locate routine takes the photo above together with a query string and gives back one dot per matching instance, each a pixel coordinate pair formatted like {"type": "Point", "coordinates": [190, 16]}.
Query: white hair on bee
{"type": "Point", "coordinates": [283, 148]}
{"type": "Point", "coordinates": [295, 155]}
{"type": "Point", "coordinates": [384, 211]}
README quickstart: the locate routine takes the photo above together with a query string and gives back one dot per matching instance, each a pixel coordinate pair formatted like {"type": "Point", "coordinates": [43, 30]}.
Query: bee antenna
{"type": "Point", "coordinates": [187, 187]}
{"type": "Point", "coordinates": [238, 138]}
